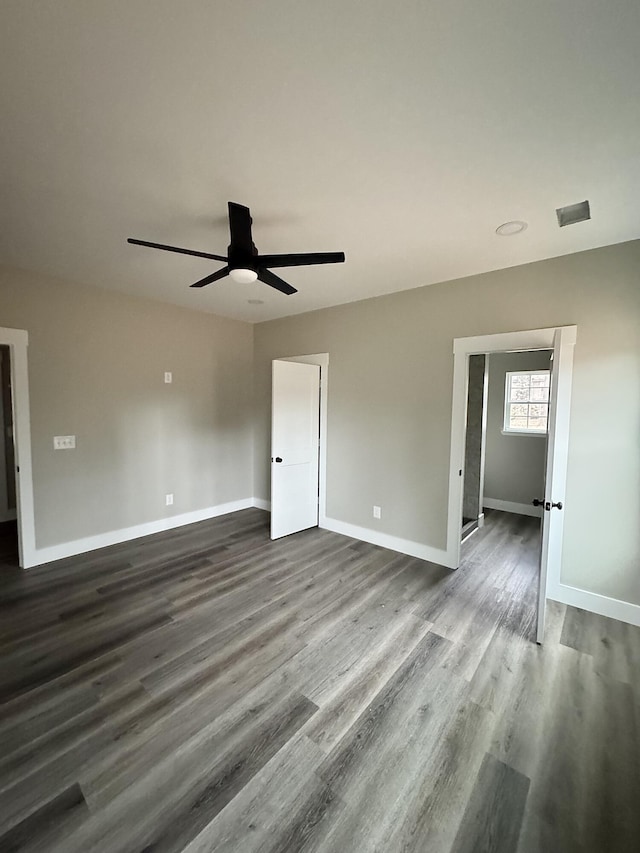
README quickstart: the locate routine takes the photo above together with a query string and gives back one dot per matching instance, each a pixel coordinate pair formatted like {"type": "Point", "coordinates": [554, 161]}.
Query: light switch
{"type": "Point", "coordinates": [64, 442]}
{"type": "Point", "coordinates": [168, 377]}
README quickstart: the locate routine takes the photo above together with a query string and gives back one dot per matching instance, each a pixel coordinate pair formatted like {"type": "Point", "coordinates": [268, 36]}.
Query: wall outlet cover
{"type": "Point", "coordinates": [64, 442]}
{"type": "Point", "coordinates": [377, 512]}
{"type": "Point", "coordinates": [168, 499]}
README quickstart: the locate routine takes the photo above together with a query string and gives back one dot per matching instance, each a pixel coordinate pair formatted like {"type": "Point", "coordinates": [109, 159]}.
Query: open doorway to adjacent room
{"type": "Point", "coordinates": [18, 545]}
{"type": "Point", "coordinates": [520, 414]}
{"type": "Point", "coordinates": [8, 514]}
{"type": "Point", "coordinates": [506, 435]}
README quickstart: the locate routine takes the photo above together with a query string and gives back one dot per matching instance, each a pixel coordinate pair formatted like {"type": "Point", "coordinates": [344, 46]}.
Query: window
{"type": "Point", "coordinates": [526, 402]}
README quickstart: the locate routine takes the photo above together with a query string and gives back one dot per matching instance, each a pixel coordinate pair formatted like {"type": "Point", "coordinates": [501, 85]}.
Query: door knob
{"type": "Point", "coordinates": [547, 505]}
{"type": "Point", "coordinates": [278, 458]}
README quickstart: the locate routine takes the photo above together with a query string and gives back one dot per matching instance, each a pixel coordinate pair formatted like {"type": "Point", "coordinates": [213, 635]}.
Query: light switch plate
{"type": "Point", "coordinates": [168, 377]}
{"type": "Point", "coordinates": [64, 442]}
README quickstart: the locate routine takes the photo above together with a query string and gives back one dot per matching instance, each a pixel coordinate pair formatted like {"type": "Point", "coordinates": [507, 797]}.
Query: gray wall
{"type": "Point", "coordinates": [96, 363]}
{"type": "Point", "coordinates": [390, 390]}
{"type": "Point", "coordinates": [96, 370]}
{"type": "Point", "coordinates": [514, 464]}
{"type": "Point", "coordinates": [472, 499]}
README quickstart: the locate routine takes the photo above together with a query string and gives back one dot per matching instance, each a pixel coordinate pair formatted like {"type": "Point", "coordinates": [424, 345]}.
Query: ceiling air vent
{"type": "Point", "coordinates": [573, 213]}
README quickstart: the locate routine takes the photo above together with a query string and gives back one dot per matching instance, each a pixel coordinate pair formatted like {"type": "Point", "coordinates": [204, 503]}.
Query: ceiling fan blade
{"type": "Point", "coordinates": [215, 276]}
{"type": "Point", "coordinates": [240, 228]}
{"type": "Point", "coordinates": [300, 260]}
{"type": "Point", "coordinates": [176, 249]}
{"type": "Point", "coordinates": [272, 280]}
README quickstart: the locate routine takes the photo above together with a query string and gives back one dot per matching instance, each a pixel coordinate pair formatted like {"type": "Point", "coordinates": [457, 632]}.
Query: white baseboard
{"type": "Point", "coordinates": [623, 611]}
{"type": "Point", "coordinates": [385, 540]}
{"type": "Point", "coordinates": [260, 503]}
{"type": "Point", "coordinates": [469, 534]}
{"type": "Point", "coordinates": [512, 506]}
{"type": "Point", "coordinates": [114, 537]}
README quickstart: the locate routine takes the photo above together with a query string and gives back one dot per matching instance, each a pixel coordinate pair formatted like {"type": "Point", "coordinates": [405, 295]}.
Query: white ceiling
{"type": "Point", "coordinates": [402, 132]}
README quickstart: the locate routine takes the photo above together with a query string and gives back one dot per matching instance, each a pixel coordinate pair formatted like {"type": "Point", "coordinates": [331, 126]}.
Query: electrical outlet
{"type": "Point", "coordinates": [64, 442]}
{"type": "Point", "coordinates": [168, 377]}
{"type": "Point", "coordinates": [168, 499]}
{"type": "Point", "coordinates": [376, 512]}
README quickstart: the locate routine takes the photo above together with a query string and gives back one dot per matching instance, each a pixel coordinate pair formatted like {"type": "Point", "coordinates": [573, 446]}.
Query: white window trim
{"type": "Point", "coordinates": [542, 433]}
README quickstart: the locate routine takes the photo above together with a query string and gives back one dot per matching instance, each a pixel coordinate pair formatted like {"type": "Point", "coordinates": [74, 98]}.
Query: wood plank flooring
{"type": "Point", "coordinates": [206, 689]}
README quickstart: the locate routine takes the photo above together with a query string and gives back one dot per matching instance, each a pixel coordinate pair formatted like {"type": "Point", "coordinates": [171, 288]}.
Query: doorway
{"type": "Point", "coordinates": [8, 514]}
{"type": "Point", "coordinates": [281, 499]}
{"type": "Point", "coordinates": [561, 341]}
{"type": "Point", "coordinates": [506, 434]}
{"type": "Point", "coordinates": [17, 464]}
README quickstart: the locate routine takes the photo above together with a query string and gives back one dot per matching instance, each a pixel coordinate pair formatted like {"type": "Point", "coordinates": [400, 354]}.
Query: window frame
{"type": "Point", "coordinates": [506, 402]}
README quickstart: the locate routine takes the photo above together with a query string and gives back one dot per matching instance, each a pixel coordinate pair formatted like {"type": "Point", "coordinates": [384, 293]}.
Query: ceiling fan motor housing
{"type": "Point", "coordinates": [240, 258]}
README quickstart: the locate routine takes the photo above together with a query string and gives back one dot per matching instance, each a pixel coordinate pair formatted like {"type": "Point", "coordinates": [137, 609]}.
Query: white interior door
{"type": "Point", "coordinates": [555, 472]}
{"type": "Point", "coordinates": [295, 432]}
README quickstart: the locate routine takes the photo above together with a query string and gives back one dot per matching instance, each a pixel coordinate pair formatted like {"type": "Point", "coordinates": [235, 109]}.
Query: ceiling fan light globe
{"type": "Point", "coordinates": [243, 276]}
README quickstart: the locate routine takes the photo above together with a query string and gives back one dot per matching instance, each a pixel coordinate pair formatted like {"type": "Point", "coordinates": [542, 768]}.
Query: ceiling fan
{"type": "Point", "coordinates": [243, 262]}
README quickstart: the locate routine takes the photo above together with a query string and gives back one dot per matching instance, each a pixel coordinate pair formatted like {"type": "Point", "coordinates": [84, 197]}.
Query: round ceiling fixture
{"type": "Point", "coordinates": [509, 229]}
{"type": "Point", "coordinates": [243, 276]}
{"type": "Point", "coordinates": [255, 301]}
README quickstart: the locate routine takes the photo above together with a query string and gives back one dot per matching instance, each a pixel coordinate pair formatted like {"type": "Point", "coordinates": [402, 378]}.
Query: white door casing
{"type": "Point", "coordinates": [295, 431]}
{"type": "Point", "coordinates": [561, 340]}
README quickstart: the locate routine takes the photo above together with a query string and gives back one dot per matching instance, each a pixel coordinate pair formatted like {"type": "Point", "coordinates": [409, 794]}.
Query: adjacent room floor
{"type": "Point", "coordinates": [209, 690]}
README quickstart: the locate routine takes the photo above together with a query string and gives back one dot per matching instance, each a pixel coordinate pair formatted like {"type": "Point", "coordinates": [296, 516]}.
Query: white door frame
{"type": "Point", "coordinates": [321, 359]}
{"type": "Point", "coordinates": [532, 339]}
{"type": "Point", "coordinates": [18, 341]}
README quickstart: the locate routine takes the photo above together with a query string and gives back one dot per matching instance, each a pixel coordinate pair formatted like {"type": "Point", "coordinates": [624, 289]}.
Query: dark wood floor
{"type": "Point", "coordinates": [209, 690]}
